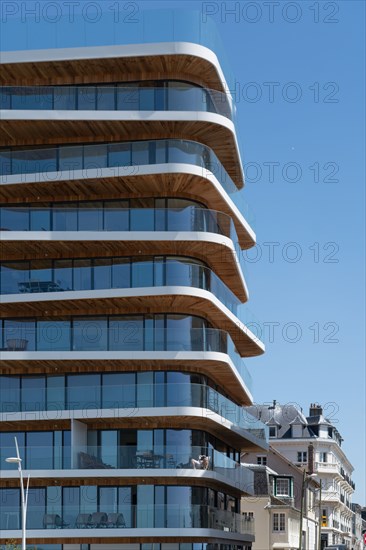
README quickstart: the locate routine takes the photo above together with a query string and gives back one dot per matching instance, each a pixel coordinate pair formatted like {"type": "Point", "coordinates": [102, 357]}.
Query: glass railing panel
{"type": "Point", "coordinates": [88, 457]}
{"type": "Point", "coordinates": [82, 397]}
{"type": "Point", "coordinates": [116, 515]}
{"type": "Point", "coordinates": [14, 218]}
{"type": "Point", "coordinates": [121, 335]}
{"type": "Point", "coordinates": [132, 26]}
{"type": "Point", "coordinates": [119, 97]}
{"type": "Point", "coordinates": [125, 155]}
{"type": "Point", "coordinates": [17, 278]}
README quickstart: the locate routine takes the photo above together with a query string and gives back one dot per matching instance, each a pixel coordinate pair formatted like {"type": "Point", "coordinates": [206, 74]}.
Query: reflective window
{"type": "Point", "coordinates": [118, 389]}
{"type": "Point", "coordinates": [142, 273]}
{"type": "Point", "coordinates": [90, 216]}
{"type": "Point", "coordinates": [126, 333]}
{"type": "Point", "coordinates": [90, 334]}
{"type": "Point", "coordinates": [39, 450]}
{"type": "Point", "coordinates": [116, 216]}
{"type": "Point", "coordinates": [106, 98]}
{"type": "Point", "coordinates": [36, 507]}
{"type": "Point", "coordinates": [102, 272]}
{"type": "Point", "coordinates": [14, 218]}
{"type": "Point", "coordinates": [64, 98]}
{"type": "Point", "coordinates": [121, 273]}
{"type": "Point", "coordinates": [40, 219]}
{"type": "Point", "coordinates": [140, 152]}
{"type": "Point", "coordinates": [7, 448]}
{"type": "Point", "coordinates": [95, 156]}
{"type": "Point", "coordinates": [55, 392]}
{"type": "Point", "coordinates": [142, 219]}
{"type": "Point", "coordinates": [83, 388]}
{"type": "Point", "coordinates": [127, 97]}
{"type": "Point", "coordinates": [14, 277]}
{"type": "Point", "coordinates": [9, 393]}
{"type": "Point", "coordinates": [63, 274]}
{"type": "Point", "coordinates": [33, 393]}
{"type": "Point", "coordinates": [64, 217]}
{"type": "Point", "coordinates": [86, 98]}
{"type": "Point", "coordinates": [119, 154]}
{"type": "Point", "coordinates": [53, 335]}
{"type": "Point", "coordinates": [82, 274]}
{"type": "Point", "coordinates": [71, 158]}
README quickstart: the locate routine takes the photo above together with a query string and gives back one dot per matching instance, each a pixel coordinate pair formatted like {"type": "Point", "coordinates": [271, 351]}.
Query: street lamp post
{"type": "Point", "coordinates": [305, 477]}
{"type": "Point", "coordinates": [320, 517]}
{"type": "Point", "coordinates": [24, 494]}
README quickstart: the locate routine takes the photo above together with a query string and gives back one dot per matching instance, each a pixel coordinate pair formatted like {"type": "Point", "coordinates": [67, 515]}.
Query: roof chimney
{"type": "Point", "coordinates": [315, 409]}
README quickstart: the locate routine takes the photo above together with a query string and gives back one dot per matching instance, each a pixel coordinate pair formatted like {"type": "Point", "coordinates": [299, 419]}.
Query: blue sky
{"type": "Point", "coordinates": [317, 353]}
{"type": "Point", "coordinates": [311, 132]}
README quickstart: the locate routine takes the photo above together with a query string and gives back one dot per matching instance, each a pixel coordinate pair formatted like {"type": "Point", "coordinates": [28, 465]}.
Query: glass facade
{"type": "Point", "coordinates": [123, 158]}
{"type": "Point", "coordinates": [25, 277]}
{"type": "Point", "coordinates": [116, 217]}
{"type": "Point", "coordinates": [41, 450]}
{"type": "Point", "coordinates": [165, 96]}
{"type": "Point", "coordinates": [112, 444]}
{"type": "Point", "coordinates": [130, 506]}
{"type": "Point", "coordinates": [123, 390]}
{"type": "Point", "coordinates": [155, 332]}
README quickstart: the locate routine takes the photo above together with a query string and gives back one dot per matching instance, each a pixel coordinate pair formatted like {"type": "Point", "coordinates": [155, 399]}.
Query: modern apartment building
{"type": "Point", "coordinates": [313, 443]}
{"type": "Point", "coordinates": [124, 326]}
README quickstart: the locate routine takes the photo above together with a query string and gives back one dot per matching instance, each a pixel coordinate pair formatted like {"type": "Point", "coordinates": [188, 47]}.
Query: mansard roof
{"type": "Point", "coordinates": [290, 414]}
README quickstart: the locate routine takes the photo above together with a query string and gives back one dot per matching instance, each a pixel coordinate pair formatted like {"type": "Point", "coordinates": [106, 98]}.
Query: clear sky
{"type": "Point", "coordinates": [324, 291]}
{"type": "Point", "coordinates": [300, 84]}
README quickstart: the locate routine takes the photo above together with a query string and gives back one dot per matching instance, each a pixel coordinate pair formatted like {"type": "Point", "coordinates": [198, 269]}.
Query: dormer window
{"type": "Point", "coordinates": [272, 431]}
{"type": "Point", "coordinates": [282, 487]}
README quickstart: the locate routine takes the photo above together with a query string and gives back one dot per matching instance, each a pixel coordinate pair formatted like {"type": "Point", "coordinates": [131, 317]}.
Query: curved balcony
{"type": "Point", "coordinates": [123, 461]}
{"type": "Point", "coordinates": [111, 218]}
{"type": "Point", "coordinates": [105, 273]}
{"type": "Point", "coordinates": [42, 170]}
{"type": "Point", "coordinates": [130, 521]}
{"type": "Point", "coordinates": [130, 397]}
{"type": "Point", "coordinates": [217, 131]}
{"type": "Point", "coordinates": [118, 97]}
{"type": "Point", "coordinates": [155, 45]}
{"type": "Point", "coordinates": [152, 231]}
{"type": "Point", "coordinates": [88, 337]}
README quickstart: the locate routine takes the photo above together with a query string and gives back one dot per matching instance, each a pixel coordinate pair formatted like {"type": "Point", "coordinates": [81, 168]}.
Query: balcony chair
{"type": "Point", "coordinates": [54, 521]}
{"type": "Point", "coordinates": [99, 519]}
{"type": "Point", "coordinates": [83, 521]}
{"type": "Point", "coordinates": [16, 344]}
{"type": "Point", "coordinates": [116, 520]}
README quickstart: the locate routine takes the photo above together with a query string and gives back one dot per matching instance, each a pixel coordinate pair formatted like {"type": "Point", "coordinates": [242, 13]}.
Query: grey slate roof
{"type": "Point", "coordinates": [284, 416]}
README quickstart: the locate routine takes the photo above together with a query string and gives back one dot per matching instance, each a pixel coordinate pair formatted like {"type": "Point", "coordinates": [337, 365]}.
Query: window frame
{"type": "Point", "coordinates": [279, 522]}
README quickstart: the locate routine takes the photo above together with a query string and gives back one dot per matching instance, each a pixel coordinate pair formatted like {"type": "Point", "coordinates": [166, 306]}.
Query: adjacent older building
{"type": "Point", "coordinates": [279, 488]}
{"type": "Point", "coordinates": [123, 330]}
{"type": "Point", "coordinates": [313, 443]}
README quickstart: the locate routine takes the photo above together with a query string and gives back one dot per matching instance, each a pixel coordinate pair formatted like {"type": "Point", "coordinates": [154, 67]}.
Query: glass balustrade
{"type": "Point", "coordinates": [115, 334]}
{"type": "Point", "coordinates": [110, 218]}
{"type": "Point", "coordinates": [161, 457]}
{"type": "Point", "coordinates": [117, 516]}
{"type": "Point", "coordinates": [71, 28]}
{"type": "Point", "coordinates": [107, 273]}
{"type": "Point", "coordinates": [123, 159]}
{"type": "Point", "coordinates": [131, 396]}
{"type": "Point", "coordinates": [118, 97]}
